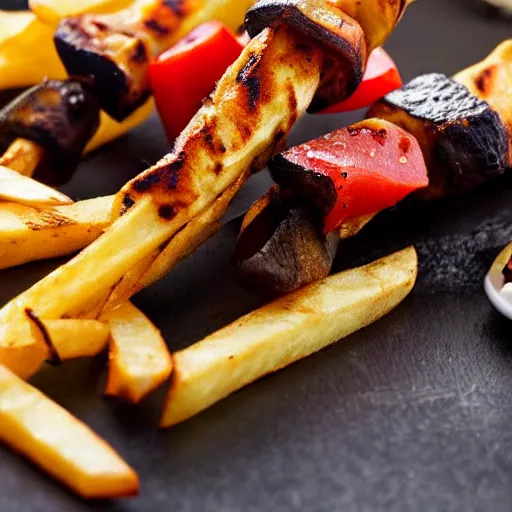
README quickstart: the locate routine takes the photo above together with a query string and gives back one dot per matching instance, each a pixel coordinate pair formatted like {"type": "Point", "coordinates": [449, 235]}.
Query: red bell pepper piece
{"type": "Point", "coordinates": [380, 78]}
{"type": "Point", "coordinates": [369, 166]}
{"type": "Point", "coordinates": [184, 75]}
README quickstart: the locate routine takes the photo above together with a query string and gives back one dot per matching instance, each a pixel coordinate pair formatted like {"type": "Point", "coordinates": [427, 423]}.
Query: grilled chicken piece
{"type": "Point", "coordinates": [59, 116]}
{"type": "Point", "coordinates": [463, 140]}
{"type": "Point", "coordinates": [490, 80]}
{"type": "Point", "coordinates": [341, 37]}
{"type": "Point", "coordinates": [282, 247]}
{"type": "Point", "coordinates": [112, 52]}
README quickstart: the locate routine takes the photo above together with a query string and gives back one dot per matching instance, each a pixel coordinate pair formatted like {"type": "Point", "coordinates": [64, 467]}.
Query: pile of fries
{"type": "Point", "coordinates": [83, 308]}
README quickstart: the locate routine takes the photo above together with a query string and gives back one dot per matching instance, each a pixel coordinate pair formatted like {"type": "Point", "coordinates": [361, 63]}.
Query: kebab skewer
{"type": "Point", "coordinates": [243, 123]}
{"type": "Point", "coordinates": [112, 53]}
{"type": "Point", "coordinates": [464, 141]}
{"type": "Point", "coordinates": [23, 120]}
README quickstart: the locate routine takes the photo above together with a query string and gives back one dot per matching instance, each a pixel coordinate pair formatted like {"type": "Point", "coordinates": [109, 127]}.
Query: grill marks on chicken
{"type": "Point", "coordinates": [463, 140]}
{"type": "Point", "coordinates": [324, 23]}
{"type": "Point", "coordinates": [240, 126]}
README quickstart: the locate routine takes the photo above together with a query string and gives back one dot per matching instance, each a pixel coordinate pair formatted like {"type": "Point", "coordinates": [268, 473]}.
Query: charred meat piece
{"type": "Point", "coordinates": [60, 117]}
{"type": "Point", "coordinates": [352, 172]}
{"type": "Point", "coordinates": [114, 64]}
{"type": "Point", "coordinates": [490, 81]}
{"type": "Point", "coordinates": [282, 247]}
{"type": "Point", "coordinates": [463, 140]}
{"type": "Point", "coordinates": [324, 22]}
{"type": "Point", "coordinates": [112, 52]}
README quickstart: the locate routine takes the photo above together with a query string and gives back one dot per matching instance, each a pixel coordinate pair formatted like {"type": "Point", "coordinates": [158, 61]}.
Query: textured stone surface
{"type": "Point", "coordinates": [411, 414]}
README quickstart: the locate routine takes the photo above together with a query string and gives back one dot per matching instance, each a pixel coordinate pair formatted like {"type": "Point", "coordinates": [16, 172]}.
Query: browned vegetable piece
{"type": "Point", "coordinates": [323, 21]}
{"type": "Point", "coordinates": [463, 140]}
{"type": "Point", "coordinates": [115, 63]}
{"type": "Point", "coordinates": [282, 247]}
{"type": "Point", "coordinates": [59, 116]}
{"type": "Point", "coordinates": [112, 52]}
{"type": "Point", "coordinates": [490, 81]}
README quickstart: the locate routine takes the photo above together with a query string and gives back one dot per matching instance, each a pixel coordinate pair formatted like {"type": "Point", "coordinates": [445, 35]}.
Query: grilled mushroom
{"type": "Point", "coordinates": [60, 116]}
{"type": "Point", "coordinates": [341, 36]}
{"type": "Point", "coordinates": [463, 140]}
{"type": "Point", "coordinates": [282, 247]}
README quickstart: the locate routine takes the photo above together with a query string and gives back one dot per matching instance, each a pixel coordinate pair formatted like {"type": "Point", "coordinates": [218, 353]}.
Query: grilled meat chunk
{"type": "Point", "coordinates": [463, 140]}
{"type": "Point", "coordinates": [61, 117]}
{"type": "Point", "coordinates": [341, 37]}
{"type": "Point", "coordinates": [282, 247]}
{"type": "Point", "coordinates": [114, 64]}
{"type": "Point", "coordinates": [490, 80]}
{"type": "Point", "coordinates": [112, 52]}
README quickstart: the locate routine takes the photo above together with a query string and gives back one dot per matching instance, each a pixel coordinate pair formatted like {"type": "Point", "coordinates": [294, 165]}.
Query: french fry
{"type": "Point", "coordinates": [31, 234]}
{"type": "Point", "coordinates": [72, 339]}
{"type": "Point", "coordinates": [16, 188]}
{"type": "Point", "coordinates": [60, 444]}
{"type": "Point", "coordinates": [52, 11]}
{"type": "Point", "coordinates": [285, 331]}
{"type": "Point", "coordinates": [351, 227]}
{"type": "Point", "coordinates": [193, 235]}
{"type": "Point", "coordinates": [23, 349]}
{"type": "Point", "coordinates": [139, 360]}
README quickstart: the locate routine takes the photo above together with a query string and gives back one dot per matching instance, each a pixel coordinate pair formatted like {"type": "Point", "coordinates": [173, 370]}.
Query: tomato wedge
{"type": "Point", "coordinates": [184, 75]}
{"type": "Point", "coordinates": [354, 171]}
{"type": "Point", "coordinates": [380, 78]}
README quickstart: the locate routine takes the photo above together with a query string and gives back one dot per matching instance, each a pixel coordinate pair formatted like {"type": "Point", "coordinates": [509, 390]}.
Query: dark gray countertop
{"type": "Point", "coordinates": [410, 414]}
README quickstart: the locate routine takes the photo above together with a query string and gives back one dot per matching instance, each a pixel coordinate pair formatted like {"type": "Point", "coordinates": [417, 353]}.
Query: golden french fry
{"type": "Point", "coordinates": [22, 348]}
{"type": "Point", "coordinates": [139, 360]}
{"type": "Point", "coordinates": [16, 188]}
{"type": "Point", "coordinates": [60, 444]}
{"type": "Point", "coordinates": [351, 227]}
{"type": "Point", "coordinates": [71, 338]}
{"type": "Point", "coordinates": [289, 329]}
{"type": "Point", "coordinates": [27, 53]}
{"type": "Point", "coordinates": [185, 242]}
{"type": "Point", "coordinates": [81, 291]}
{"type": "Point", "coordinates": [31, 234]}
{"type": "Point", "coordinates": [52, 11]}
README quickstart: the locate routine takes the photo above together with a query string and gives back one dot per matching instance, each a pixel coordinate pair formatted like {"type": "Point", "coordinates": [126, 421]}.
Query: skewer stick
{"type": "Point", "coordinates": [22, 156]}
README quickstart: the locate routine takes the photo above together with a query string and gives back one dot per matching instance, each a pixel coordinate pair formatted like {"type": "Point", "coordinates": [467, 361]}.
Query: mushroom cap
{"type": "Point", "coordinates": [59, 116]}
{"type": "Point", "coordinates": [342, 38]}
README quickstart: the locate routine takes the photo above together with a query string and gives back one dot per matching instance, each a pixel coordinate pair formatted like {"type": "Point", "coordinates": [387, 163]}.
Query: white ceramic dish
{"type": "Point", "coordinates": [493, 283]}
